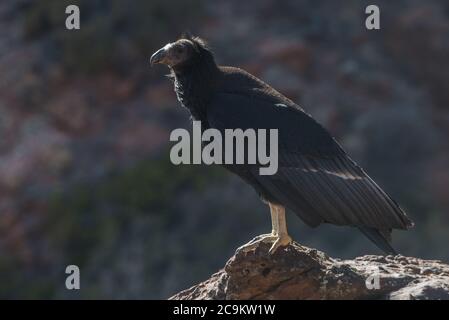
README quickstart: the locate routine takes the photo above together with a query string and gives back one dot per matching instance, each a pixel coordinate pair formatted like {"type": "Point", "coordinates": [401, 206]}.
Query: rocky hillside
{"type": "Point", "coordinates": [298, 272]}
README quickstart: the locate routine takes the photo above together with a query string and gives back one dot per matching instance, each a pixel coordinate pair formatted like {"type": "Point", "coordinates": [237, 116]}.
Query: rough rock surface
{"type": "Point", "coordinates": [298, 272]}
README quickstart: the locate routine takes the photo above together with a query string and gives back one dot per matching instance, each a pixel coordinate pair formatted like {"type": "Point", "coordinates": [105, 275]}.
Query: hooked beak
{"type": "Point", "coordinates": [158, 57]}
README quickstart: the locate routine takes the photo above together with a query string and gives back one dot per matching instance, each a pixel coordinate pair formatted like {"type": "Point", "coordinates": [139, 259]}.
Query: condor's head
{"type": "Point", "coordinates": [184, 53]}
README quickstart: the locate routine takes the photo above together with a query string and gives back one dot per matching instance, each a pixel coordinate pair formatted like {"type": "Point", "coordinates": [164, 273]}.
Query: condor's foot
{"type": "Point", "coordinates": [281, 241]}
{"type": "Point", "coordinates": [278, 237]}
{"type": "Point", "coordinates": [263, 237]}
{"type": "Point", "coordinates": [267, 238]}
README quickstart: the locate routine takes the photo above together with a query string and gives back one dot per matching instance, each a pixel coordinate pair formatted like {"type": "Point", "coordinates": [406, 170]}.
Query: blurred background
{"type": "Point", "coordinates": [85, 176]}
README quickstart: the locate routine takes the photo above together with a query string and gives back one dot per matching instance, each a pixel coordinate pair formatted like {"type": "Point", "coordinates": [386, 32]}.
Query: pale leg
{"type": "Point", "coordinates": [282, 239]}
{"type": "Point", "coordinates": [278, 236]}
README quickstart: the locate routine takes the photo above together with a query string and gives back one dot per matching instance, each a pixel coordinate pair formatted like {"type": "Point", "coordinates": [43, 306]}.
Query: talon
{"type": "Point", "coordinates": [280, 242]}
{"type": "Point", "coordinates": [253, 243]}
{"type": "Point", "coordinates": [279, 235]}
{"type": "Point", "coordinates": [262, 236]}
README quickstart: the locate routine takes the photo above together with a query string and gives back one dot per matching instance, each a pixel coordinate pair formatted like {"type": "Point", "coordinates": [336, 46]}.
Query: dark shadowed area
{"type": "Point", "coordinates": [85, 175]}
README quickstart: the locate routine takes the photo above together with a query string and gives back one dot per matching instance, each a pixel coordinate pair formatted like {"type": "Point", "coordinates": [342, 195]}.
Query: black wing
{"type": "Point", "coordinates": [315, 178]}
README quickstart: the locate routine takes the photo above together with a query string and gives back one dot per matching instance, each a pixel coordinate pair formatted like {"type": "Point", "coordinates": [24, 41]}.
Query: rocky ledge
{"type": "Point", "coordinates": [298, 272]}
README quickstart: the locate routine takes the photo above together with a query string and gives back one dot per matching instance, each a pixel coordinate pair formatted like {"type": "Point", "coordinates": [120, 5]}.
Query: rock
{"type": "Point", "coordinates": [426, 290]}
{"type": "Point", "coordinates": [298, 272]}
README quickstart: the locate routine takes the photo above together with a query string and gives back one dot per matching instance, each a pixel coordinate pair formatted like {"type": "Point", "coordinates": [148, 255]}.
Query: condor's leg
{"type": "Point", "coordinates": [269, 237]}
{"type": "Point", "coordinates": [282, 237]}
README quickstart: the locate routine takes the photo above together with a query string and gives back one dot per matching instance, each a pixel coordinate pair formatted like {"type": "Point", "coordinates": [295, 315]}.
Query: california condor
{"type": "Point", "coordinates": [316, 179]}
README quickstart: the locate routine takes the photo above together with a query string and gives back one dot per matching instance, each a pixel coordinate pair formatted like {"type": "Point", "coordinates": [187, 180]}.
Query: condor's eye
{"type": "Point", "coordinates": [179, 50]}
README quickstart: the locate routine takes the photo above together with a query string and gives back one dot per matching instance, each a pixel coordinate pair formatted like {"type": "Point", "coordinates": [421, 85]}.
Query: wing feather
{"type": "Point", "coordinates": [316, 179]}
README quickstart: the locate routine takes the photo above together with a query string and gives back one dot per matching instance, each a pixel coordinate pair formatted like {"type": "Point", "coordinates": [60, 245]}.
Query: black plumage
{"type": "Point", "coordinates": [316, 179]}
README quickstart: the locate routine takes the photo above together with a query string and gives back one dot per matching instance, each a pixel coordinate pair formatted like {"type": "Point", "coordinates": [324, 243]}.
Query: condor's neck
{"type": "Point", "coordinates": [195, 85]}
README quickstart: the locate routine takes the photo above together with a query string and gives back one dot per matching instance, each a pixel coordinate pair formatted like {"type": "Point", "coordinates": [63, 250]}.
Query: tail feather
{"type": "Point", "coordinates": [379, 239]}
